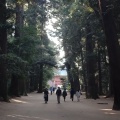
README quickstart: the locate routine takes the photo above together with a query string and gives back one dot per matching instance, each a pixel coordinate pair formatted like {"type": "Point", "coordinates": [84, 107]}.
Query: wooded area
{"type": "Point", "coordinates": [89, 32]}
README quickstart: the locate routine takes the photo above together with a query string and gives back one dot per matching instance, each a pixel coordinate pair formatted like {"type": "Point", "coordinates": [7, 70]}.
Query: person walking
{"type": "Point", "coordinates": [78, 93]}
{"type": "Point", "coordinates": [46, 95]}
{"type": "Point", "coordinates": [64, 94]}
{"type": "Point", "coordinates": [51, 90]}
{"type": "Point", "coordinates": [58, 93]}
{"type": "Point", "coordinates": [72, 92]}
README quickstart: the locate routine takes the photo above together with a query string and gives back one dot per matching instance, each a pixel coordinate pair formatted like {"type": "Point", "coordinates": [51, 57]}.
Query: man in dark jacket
{"type": "Point", "coordinates": [58, 93]}
{"type": "Point", "coordinates": [72, 92]}
{"type": "Point", "coordinates": [46, 95]}
{"type": "Point", "coordinates": [64, 94]}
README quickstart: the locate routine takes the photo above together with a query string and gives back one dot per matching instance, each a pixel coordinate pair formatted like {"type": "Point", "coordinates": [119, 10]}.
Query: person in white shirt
{"type": "Point", "coordinates": [78, 95]}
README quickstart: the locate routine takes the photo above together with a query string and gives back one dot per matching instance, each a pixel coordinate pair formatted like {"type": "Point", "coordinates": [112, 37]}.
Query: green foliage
{"type": "Point", "coordinates": [73, 19]}
{"type": "Point", "coordinates": [48, 75]}
{"type": "Point", "coordinates": [33, 44]}
{"type": "Point", "coordinates": [14, 63]}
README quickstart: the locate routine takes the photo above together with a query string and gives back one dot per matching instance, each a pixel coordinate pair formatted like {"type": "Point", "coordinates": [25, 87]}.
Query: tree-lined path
{"type": "Point", "coordinates": [32, 107]}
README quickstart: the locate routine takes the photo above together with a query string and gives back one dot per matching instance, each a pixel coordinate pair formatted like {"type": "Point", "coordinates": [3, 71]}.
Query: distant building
{"type": "Point", "coordinates": [56, 80]}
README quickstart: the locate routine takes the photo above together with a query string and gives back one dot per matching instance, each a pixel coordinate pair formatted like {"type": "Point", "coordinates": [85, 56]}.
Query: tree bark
{"type": "Point", "coordinates": [84, 72]}
{"type": "Point", "coordinates": [90, 63]}
{"type": "Point", "coordinates": [14, 87]}
{"type": "Point", "coordinates": [40, 90]}
{"type": "Point", "coordinates": [18, 35]}
{"type": "Point", "coordinates": [99, 72]}
{"type": "Point", "coordinates": [113, 49]}
{"type": "Point", "coordinates": [3, 50]}
{"type": "Point", "coordinates": [19, 20]}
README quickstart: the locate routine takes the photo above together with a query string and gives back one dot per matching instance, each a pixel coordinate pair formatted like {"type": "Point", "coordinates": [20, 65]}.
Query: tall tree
{"type": "Point", "coordinates": [3, 50]}
{"type": "Point", "coordinates": [15, 81]}
{"type": "Point", "coordinates": [106, 9]}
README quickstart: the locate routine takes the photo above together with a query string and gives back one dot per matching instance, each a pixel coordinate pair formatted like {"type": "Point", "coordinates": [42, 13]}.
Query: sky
{"type": "Point", "coordinates": [62, 72]}
{"type": "Point", "coordinates": [49, 27]}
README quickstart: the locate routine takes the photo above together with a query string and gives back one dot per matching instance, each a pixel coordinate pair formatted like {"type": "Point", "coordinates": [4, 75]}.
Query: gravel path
{"type": "Point", "coordinates": [32, 107]}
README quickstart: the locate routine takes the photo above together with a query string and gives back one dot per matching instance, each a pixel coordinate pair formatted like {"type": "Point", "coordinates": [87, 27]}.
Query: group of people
{"type": "Point", "coordinates": [52, 89]}
{"type": "Point", "coordinates": [59, 93]}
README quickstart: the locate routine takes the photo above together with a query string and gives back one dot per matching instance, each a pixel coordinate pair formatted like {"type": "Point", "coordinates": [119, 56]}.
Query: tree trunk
{"type": "Point", "coordinates": [19, 20]}
{"type": "Point", "coordinates": [75, 76]}
{"type": "Point", "coordinates": [76, 82]}
{"type": "Point", "coordinates": [40, 90]}
{"type": "Point", "coordinates": [84, 72]}
{"type": "Point", "coordinates": [90, 63]}
{"type": "Point", "coordinates": [3, 50]}
{"type": "Point", "coordinates": [18, 35]}
{"type": "Point", "coordinates": [113, 49]}
{"type": "Point", "coordinates": [100, 73]}
{"type": "Point", "coordinates": [69, 74]}
{"type": "Point", "coordinates": [14, 87]}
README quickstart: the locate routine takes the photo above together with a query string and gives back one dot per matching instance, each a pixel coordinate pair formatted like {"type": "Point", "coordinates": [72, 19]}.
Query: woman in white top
{"type": "Point", "coordinates": [78, 95]}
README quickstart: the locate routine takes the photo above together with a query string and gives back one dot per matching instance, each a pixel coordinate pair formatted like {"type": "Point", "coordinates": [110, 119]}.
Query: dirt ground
{"type": "Point", "coordinates": [32, 107]}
